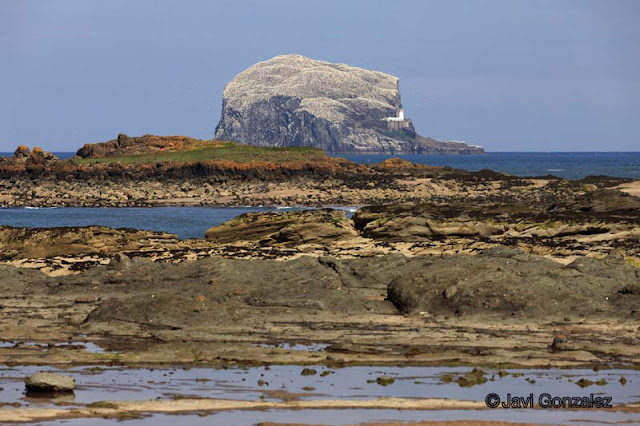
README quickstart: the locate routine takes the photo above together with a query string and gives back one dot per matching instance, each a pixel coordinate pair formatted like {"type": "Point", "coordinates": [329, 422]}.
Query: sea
{"type": "Point", "coordinates": [567, 165]}
{"type": "Point", "coordinates": [192, 222]}
{"type": "Point", "coordinates": [187, 222]}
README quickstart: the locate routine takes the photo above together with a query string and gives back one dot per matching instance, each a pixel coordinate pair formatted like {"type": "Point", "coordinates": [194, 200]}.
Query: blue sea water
{"type": "Point", "coordinates": [568, 165]}
{"type": "Point", "coordinates": [187, 222]}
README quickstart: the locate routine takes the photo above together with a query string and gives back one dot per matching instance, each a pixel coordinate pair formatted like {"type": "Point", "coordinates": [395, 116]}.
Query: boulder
{"type": "Point", "coordinates": [119, 261]}
{"type": "Point", "coordinates": [22, 153]}
{"type": "Point", "coordinates": [385, 380]}
{"type": "Point", "coordinates": [49, 382]}
{"type": "Point", "coordinates": [39, 156]}
{"type": "Point", "coordinates": [308, 372]}
{"type": "Point", "coordinates": [291, 100]}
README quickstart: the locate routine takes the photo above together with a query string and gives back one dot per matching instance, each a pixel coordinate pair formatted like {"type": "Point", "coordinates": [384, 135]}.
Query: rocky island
{"type": "Point", "coordinates": [291, 100]}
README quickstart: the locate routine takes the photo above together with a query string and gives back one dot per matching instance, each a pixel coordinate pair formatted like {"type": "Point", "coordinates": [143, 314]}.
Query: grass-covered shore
{"type": "Point", "coordinates": [214, 150]}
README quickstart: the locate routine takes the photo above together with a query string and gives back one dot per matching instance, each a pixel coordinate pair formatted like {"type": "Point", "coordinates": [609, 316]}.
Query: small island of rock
{"type": "Point", "coordinates": [291, 100]}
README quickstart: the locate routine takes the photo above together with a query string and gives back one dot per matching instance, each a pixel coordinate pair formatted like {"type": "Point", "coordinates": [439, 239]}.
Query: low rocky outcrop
{"type": "Point", "coordinates": [49, 382]}
{"type": "Point", "coordinates": [398, 165]}
{"type": "Point", "coordinates": [589, 213]}
{"type": "Point", "coordinates": [21, 243]}
{"type": "Point", "coordinates": [595, 223]}
{"type": "Point", "coordinates": [605, 201]}
{"type": "Point", "coordinates": [124, 145]}
{"type": "Point", "coordinates": [322, 226]}
{"type": "Point", "coordinates": [497, 282]}
{"type": "Point", "coordinates": [412, 228]}
{"type": "Point", "coordinates": [507, 281]}
{"type": "Point", "coordinates": [291, 100]}
{"type": "Point", "coordinates": [38, 155]}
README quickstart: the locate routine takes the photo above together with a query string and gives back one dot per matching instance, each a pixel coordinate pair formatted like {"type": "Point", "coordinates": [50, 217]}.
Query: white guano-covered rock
{"type": "Point", "coordinates": [291, 100]}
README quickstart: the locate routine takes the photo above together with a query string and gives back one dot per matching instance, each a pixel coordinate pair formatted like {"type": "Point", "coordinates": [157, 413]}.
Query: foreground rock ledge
{"type": "Point", "coordinates": [499, 307]}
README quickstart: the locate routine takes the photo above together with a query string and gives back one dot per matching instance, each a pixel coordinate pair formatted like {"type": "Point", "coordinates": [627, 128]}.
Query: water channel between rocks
{"type": "Point", "coordinates": [278, 383]}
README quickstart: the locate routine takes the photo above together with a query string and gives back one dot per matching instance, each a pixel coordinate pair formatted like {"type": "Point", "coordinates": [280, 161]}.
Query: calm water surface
{"type": "Point", "coordinates": [187, 222]}
{"type": "Point", "coordinates": [343, 383]}
{"type": "Point", "coordinates": [568, 165]}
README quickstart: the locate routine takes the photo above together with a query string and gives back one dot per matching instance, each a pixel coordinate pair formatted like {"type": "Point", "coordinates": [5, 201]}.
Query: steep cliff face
{"type": "Point", "coordinates": [291, 100]}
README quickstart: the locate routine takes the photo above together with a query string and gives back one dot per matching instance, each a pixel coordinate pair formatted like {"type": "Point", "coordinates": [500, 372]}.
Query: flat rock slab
{"type": "Point", "coordinates": [49, 382]}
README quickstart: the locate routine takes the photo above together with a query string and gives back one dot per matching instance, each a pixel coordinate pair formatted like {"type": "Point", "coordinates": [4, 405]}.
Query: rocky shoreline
{"type": "Point", "coordinates": [498, 305]}
{"type": "Point", "coordinates": [437, 267]}
{"type": "Point", "coordinates": [393, 181]}
{"type": "Point", "coordinates": [415, 273]}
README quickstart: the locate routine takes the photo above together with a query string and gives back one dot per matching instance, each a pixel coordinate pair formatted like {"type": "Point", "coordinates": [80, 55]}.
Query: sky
{"type": "Point", "coordinates": [538, 75]}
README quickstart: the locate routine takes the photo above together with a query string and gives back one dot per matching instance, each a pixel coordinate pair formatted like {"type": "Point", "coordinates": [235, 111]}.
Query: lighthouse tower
{"type": "Point", "coordinates": [398, 122]}
{"type": "Point", "coordinates": [398, 117]}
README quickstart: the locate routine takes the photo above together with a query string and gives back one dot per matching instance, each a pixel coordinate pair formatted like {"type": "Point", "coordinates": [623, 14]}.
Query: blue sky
{"type": "Point", "coordinates": [509, 75]}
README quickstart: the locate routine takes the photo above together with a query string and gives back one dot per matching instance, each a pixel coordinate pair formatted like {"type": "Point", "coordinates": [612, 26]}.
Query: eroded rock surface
{"type": "Point", "coordinates": [322, 226]}
{"type": "Point", "coordinates": [465, 277]}
{"type": "Point", "coordinates": [21, 243]}
{"type": "Point", "coordinates": [510, 282]}
{"type": "Point", "coordinates": [595, 222]}
{"type": "Point", "coordinates": [385, 310]}
{"type": "Point", "coordinates": [124, 145]}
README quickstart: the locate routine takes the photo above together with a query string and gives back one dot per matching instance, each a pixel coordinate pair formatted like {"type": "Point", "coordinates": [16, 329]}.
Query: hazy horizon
{"type": "Point", "coordinates": [534, 76]}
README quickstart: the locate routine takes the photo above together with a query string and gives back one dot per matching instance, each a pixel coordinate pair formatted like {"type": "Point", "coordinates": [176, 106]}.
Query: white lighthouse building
{"type": "Point", "coordinates": [399, 117]}
{"type": "Point", "coordinates": [398, 122]}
